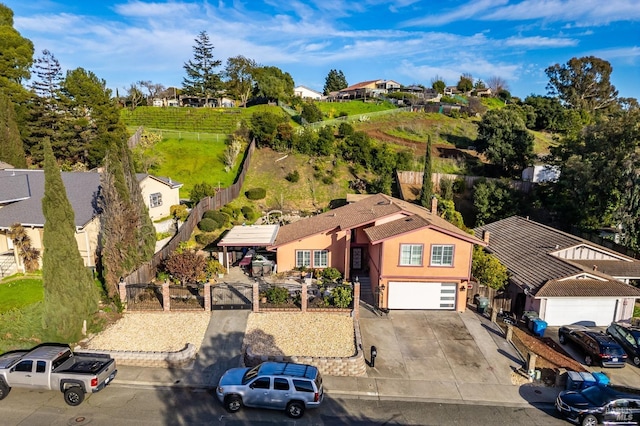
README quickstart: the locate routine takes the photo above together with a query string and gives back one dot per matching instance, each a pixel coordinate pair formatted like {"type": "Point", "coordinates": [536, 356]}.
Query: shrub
{"type": "Point", "coordinates": [293, 176]}
{"type": "Point", "coordinates": [179, 211]}
{"type": "Point", "coordinates": [249, 213]}
{"type": "Point", "coordinates": [208, 225]}
{"type": "Point", "coordinates": [205, 238]}
{"type": "Point", "coordinates": [277, 295]}
{"type": "Point", "coordinates": [233, 212]}
{"type": "Point", "coordinates": [327, 180]}
{"type": "Point", "coordinates": [342, 296]}
{"type": "Point", "coordinates": [343, 114]}
{"type": "Point", "coordinates": [331, 274]}
{"type": "Point", "coordinates": [256, 193]}
{"type": "Point", "coordinates": [459, 186]}
{"type": "Point", "coordinates": [214, 267]}
{"type": "Point", "coordinates": [222, 218]}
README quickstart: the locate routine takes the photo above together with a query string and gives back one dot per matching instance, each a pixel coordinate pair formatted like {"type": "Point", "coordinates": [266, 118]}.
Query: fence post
{"type": "Point", "coordinates": [207, 296]}
{"type": "Point", "coordinates": [166, 296]}
{"type": "Point", "coordinates": [356, 299]}
{"type": "Point", "coordinates": [303, 297]}
{"type": "Point", "coordinates": [256, 297]}
{"type": "Point", "coordinates": [122, 289]}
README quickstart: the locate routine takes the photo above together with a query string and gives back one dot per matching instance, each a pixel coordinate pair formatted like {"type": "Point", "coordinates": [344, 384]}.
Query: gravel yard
{"type": "Point", "coordinates": [151, 331]}
{"type": "Point", "coordinates": [301, 334]}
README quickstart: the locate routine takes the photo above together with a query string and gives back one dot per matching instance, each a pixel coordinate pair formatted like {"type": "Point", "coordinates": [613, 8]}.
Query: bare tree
{"type": "Point", "coordinates": [154, 89]}
{"type": "Point", "coordinates": [497, 84]}
{"type": "Point", "coordinates": [134, 95]}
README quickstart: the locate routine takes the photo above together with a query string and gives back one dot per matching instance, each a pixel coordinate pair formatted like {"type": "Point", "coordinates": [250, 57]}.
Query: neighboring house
{"type": "Point", "coordinates": [541, 173]}
{"type": "Point", "coordinates": [159, 194]}
{"type": "Point", "coordinates": [413, 258]}
{"type": "Point", "coordinates": [21, 193]}
{"type": "Point", "coordinates": [363, 90]}
{"type": "Point", "coordinates": [451, 90]}
{"type": "Point", "coordinates": [564, 278]}
{"type": "Point", "coordinates": [306, 93]}
{"type": "Point", "coordinates": [483, 93]}
{"type": "Point", "coordinates": [388, 85]}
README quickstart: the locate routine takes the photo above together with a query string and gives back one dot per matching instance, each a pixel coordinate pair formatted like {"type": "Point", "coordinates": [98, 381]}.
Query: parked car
{"type": "Point", "coordinates": [275, 385]}
{"type": "Point", "coordinates": [599, 404]}
{"type": "Point", "coordinates": [629, 338]}
{"type": "Point", "coordinates": [53, 366]}
{"type": "Point", "coordinates": [598, 348]}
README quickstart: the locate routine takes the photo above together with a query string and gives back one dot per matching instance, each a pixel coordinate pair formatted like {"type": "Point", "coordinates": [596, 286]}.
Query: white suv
{"type": "Point", "coordinates": [275, 385]}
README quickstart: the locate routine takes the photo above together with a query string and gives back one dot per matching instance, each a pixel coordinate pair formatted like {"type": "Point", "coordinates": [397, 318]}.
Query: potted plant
{"type": "Point", "coordinates": [214, 267]}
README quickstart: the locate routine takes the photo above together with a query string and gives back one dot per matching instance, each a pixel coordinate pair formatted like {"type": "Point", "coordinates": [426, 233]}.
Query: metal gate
{"type": "Point", "coordinates": [144, 297]}
{"type": "Point", "coordinates": [231, 296]}
{"type": "Point", "coordinates": [186, 298]}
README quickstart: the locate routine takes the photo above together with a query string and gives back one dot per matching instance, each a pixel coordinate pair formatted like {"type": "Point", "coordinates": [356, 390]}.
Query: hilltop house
{"type": "Point", "coordinates": [306, 93]}
{"type": "Point", "coordinates": [413, 258]}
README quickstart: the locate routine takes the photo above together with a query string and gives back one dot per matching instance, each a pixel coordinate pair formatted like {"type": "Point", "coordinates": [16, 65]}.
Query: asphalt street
{"type": "Point", "coordinates": [123, 405]}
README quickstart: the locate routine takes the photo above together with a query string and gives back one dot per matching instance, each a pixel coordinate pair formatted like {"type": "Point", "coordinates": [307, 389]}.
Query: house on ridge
{"type": "Point", "coordinates": [566, 279]}
{"type": "Point", "coordinates": [412, 258]}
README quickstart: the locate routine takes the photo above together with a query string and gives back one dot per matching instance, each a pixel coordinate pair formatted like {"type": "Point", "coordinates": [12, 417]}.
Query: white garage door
{"type": "Point", "coordinates": [586, 310]}
{"type": "Point", "coordinates": [421, 295]}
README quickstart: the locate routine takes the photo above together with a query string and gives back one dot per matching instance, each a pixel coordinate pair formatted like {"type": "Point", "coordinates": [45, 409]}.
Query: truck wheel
{"type": "Point", "coordinates": [233, 403]}
{"type": "Point", "coordinates": [295, 409]}
{"type": "Point", "coordinates": [74, 396]}
{"type": "Point", "coordinates": [4, 389]}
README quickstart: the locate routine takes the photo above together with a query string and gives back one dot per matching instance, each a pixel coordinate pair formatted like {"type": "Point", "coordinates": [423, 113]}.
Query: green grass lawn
{"type": "Point", "coordinates": [335, 109]}
{"type": "Point", "coordinates": [19, 293]}
{"type": "Point", "coordinates": [192, 159]}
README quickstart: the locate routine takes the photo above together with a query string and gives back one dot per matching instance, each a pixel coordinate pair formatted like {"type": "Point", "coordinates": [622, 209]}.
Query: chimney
{"type": "Point", "coordinates": [434, 205]}
{"type": "Point", "coordinates": [485, 236]}
{"type": "Point", "coordinates": [595, 267]}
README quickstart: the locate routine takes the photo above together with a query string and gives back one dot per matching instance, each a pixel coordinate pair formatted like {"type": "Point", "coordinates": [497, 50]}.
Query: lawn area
{"type": "Point", "coordinates": [19, 293]}
{"type": "Point", "coordinates": [335, 109]}
{"type": "Point", "coordinates": [191, 159]}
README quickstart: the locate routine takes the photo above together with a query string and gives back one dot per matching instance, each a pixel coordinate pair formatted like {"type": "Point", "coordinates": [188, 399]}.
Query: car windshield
{"type": "Point", "coordinates": [250, 374]}
{"type": "Point", "coordinates": [612, 351]}
{"type": "Point", "coordinates": [595, 395]}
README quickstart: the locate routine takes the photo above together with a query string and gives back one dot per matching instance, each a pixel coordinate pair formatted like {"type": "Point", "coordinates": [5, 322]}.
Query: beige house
{"type": "Point", "coordinates": [21, 193]}
{"type": "Point", "coordinates": [159, 194]}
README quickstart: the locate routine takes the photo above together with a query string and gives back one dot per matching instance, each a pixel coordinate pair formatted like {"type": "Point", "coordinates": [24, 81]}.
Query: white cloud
{"type": "Point", "coordinates": [538, 42]}
{"type": "Point", "coordinates": [148, 10]}
{"type": "Point", "coordinates": [469, 10]}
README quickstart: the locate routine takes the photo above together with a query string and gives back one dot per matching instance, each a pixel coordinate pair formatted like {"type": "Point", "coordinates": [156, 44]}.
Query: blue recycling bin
{"type": "Point", "coordinates": [601, 378]}
{"type": "Point", "coordinates": [539, 327]}
{"type": "Point", "coordinates": [587, 379]}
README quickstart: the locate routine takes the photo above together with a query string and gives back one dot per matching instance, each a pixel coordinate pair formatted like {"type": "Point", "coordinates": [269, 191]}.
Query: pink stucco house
{"type": "Point", "coordinates": [413, 258]}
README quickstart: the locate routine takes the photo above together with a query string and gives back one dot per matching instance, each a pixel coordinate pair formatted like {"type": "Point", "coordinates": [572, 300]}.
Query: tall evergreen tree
{"type": "Point", "coordinates": [201, 79]}
{"type": "Point", "coordinates": [427, 184]}
{"type": "Point", "coordinates": [11, 149]}
{"type": "Point", "coordinates": [335, 81]}
{"type": "Point", "coordinates": [70, 295]}
{"type": "Point", "coordinates": [48, 76]}
{"type": "Point", "coordinates": [16, 57]}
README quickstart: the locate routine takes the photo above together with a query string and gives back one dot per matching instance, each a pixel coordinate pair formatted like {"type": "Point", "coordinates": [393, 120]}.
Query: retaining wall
{"type": "Point", "coordinates": [178, 359]}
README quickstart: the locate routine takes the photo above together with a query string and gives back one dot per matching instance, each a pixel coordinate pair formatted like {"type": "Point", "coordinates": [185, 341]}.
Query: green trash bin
{"type": "Point", "coordinates": [483, 304]}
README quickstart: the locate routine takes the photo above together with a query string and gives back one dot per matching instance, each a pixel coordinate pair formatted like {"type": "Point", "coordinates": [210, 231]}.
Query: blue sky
{"type": "Point", "coordinates": [409, 41]}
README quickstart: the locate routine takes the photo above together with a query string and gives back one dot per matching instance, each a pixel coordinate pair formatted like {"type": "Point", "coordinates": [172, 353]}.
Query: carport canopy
{"type": "Point", "coordinates": [248, 236]}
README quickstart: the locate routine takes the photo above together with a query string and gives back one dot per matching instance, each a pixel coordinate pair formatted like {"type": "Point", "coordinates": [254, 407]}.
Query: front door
{"type": "Point", "coordinates": [356, 258]}
{"type": "Point", "coordinates": [22, 374]}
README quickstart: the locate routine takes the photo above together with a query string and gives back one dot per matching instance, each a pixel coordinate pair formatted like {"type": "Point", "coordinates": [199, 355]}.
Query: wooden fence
{"type": "Point", "coordinates": [147, 272]}
{"type": "Point", "coordinates": [497, 299]}
{"type": "Point", "coordinates": [415, 178]}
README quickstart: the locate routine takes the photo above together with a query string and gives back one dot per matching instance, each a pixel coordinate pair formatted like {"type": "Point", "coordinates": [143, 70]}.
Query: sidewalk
{"type": "Point", "coordinates": [395, 377]}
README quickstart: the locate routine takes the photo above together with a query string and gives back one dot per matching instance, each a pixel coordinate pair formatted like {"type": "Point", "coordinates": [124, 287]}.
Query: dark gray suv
{"type": "Point", "coordinates": [275, 385]}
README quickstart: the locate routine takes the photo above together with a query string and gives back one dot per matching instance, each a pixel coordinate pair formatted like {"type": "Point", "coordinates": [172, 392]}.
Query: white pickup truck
{"type": "Point", "coordinates": [54, 366]}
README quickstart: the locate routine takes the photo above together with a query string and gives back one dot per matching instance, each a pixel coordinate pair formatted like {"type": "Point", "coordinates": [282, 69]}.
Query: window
{"type": "Point", "coordinates": [320, 258]}
{"type": "Point", "coordinates": [303, 385]}
{"type": "Point", "coordinates": [41, 366]}
{"type": "Point", "coordinates": [155, 200]}
{"type": "Point", "coordinates": [410, 254]}
{"type": "Point", "coordinates": [303, 258]}
{"type": "Point", "coordinates": [442, 255]}
{"type": "Point", "coordinates": [280, 384]}
{"type": "Point", "coordinates": [26, 366]}
{"type": "Point", "coordinates": [261, 383]}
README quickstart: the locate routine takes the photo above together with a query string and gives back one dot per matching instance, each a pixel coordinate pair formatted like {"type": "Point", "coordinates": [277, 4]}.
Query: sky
{"type": "Point", "coordinates": [408, 41]}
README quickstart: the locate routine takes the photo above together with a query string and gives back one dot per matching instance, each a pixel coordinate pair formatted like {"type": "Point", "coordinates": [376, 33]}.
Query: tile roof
{"type": "Point", "coordinates": [396, 227]}
{"type": "Point", "coordinates": [363, 212]}
{"type": "Point", "coordinates": [525, 248]}
{"type": "Point", "coordinates": [82, 191]}
{"type": "Point", "coordinates": [615, 268]}
{"type": "Point", "coordinates": [359, 85]}
{"type": "Point", "coordinates": [587, 288]}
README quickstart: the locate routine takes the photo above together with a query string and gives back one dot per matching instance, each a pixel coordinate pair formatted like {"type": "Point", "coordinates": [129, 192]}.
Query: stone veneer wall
{"type": "Point", "coordinates": [329, 366]}
{"type": "Point", "coordinates": [178, 359]}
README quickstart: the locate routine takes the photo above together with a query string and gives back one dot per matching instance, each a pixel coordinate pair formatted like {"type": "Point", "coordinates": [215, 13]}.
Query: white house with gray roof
{"type": "Point", "coordinates": [564, 278]}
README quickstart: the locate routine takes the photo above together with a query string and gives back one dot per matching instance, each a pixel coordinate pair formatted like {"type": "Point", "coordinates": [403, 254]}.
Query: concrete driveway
{"type": "Point", "coordinates": [629, 375]}
{"type": "Point", "coordinates": [438, 346]}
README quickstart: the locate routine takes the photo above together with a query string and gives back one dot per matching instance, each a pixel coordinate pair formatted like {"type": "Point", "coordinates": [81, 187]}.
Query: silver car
{"type": "Point", "coordinates": [274, 385]}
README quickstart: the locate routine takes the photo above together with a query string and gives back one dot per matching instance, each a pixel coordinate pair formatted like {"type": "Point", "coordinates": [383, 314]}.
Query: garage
{"type": "Point", "coordinates": [421, 295]}
{"type": "Point", "coordinates": [584, 310]}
